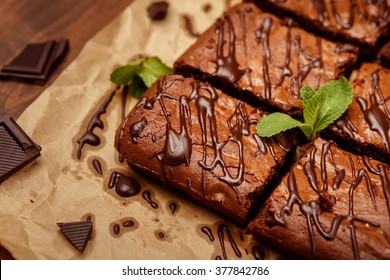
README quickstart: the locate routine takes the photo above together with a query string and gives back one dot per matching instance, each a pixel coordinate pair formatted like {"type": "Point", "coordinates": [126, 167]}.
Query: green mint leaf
{"type": "Point", "coordinates": [312, 109]}
{"type": "Point", "coordinates": [339, 95]}
{"type": "Point", "coordinates": [151, 69]}
{"type": "Point", "coordinates": [307, 92]}
{"type": "Point", "coordinates": [278, 122]}
{"type": "Point", "coordinates": [140, 74]}
{"type": "Point", "coordinates": [124, 74]}
{"type": "Point", "coordinates": [137, 87]}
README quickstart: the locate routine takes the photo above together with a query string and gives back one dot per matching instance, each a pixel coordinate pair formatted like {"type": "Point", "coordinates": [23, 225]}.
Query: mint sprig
{"type": "Point", "coordinates": [320, 109]}
{"type": "Point", "coordinates": [140, 74]}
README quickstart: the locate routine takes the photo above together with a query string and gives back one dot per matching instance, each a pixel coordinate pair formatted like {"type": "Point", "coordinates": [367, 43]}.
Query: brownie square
{"type": "Point", "coordinates": [357, 21]}
{"type": "Point", "coordinates": [257, 57]}
{"type": "Point", "coordinates": [365, 128]}
{"type": "Point", "coordinates": [195, 138]}
{"type": "Point", "coordinates": [331, 205]}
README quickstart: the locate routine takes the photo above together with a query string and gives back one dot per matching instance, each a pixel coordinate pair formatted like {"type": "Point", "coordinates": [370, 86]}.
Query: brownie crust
{"type": "Point", "coordinates": [197, 139]}
{"type": "Point", "coordinates": [331, 205]}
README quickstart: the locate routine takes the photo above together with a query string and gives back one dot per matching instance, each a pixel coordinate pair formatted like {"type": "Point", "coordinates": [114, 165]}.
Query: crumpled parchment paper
{"type": "Point", "coordinates": [60, 188]}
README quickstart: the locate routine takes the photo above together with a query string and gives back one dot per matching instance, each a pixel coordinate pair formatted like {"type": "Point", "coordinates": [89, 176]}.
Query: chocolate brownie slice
{"type": "Point", "coordinates": [331, 205]}
{"type": "Point", "coordinates": [261, 59]}
{"type": "Point", "coordinates": [365, 128]}
{"type": "Point", "coordinates": [357, 21]}
{"type": "Point", "coordinates": [193, 137]}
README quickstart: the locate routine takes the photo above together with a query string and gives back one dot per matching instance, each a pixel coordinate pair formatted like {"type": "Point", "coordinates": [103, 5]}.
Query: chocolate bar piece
{"type": "Point", "coordinates": [78, 233]}
{"type": "Point", "coordinates": [195, 138]}
{"type": "Point", "coordinates": [16, 148]}
{"type": "Point", "coordinates": [35, 61]}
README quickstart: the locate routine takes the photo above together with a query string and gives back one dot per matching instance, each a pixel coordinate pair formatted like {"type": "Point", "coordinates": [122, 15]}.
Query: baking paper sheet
{"type": "Point", "coordinates": [60, 188]}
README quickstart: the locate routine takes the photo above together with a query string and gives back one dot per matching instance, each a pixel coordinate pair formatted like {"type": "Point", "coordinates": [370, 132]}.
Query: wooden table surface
{"type": "Point", "coordinates": [25, 21]}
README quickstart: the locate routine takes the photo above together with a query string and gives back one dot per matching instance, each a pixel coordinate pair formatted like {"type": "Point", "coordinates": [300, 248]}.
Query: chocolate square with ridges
{"type": "Point", "coordinates": [16, 148]}
{"type": "Point", "coordinates": [77, 233]}
{"type": "Point", "coordinates": [36, 61]}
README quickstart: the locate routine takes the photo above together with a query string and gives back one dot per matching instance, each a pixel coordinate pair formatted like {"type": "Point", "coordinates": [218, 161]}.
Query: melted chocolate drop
{"type": "Point", "coordinates": [97, 165]}
{"type": "Point", "coordinates": [207, 7]}
{"type": "Point", "coordinates": [124, 186]}
{"type": "Point", "coordinates": [148, 197]}
{"type": "Point", "coordinates": [116, 229]}
{"type": "Point", "coordinates": [173, 207]}
{"type": "Point", "coordinates": [208, 232]}
{"type": "Point", "coordinates": [128, 223]}
{"type": "Point", "coordinates": [258, 253]}
{"type": "Point", "coordinates": [89, 137]}
{"type": "Point", "coordinates": [161, 235]}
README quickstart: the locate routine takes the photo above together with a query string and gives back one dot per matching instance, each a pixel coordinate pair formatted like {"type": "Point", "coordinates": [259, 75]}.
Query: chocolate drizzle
{"type": "Point", "coordinates": [228, 70]}
{"type": "Point", "coordinates": [354, 10]}
{"type": "Point", "coordinates": [346, 126]}
{"type": "Point", "coordinates": [222, 230]}
{"type": "Point", "coordinates": [312, 210]}
{"type": "Point", "coordinates": [89, 137]}
{"type": "Point", "coordinates": [189, 27]}
{"type": "Point", "coordinates": [124, 186]}
{"type": "Point", "coordinates": [302, 71]}
{"type": "Point", "coordinates": [377, 119]}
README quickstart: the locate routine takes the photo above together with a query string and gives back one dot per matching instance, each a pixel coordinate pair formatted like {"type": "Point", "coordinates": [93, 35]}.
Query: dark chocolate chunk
{"type": "Point", "coordinates": [16, 148]}
{"type": "Point", "coordinates": [158, 10]}
{"type": "Point", "coordinates": [78, 233]}
{"type": "Point", "coordinates": [36, 61]}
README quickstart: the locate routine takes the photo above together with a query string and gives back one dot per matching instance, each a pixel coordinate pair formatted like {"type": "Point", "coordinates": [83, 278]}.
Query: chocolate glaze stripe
{"type": "Point", "coordinates": [312, 209]}
{"type": "Point", "coordinates": [228, 69]}
{"type": "Point", "coordinates": [222, 230]}
{"type": "Point", "coordinates": [377, 119]}
{"type": "Point", "coordinates": [89, 137]}
{"type": "Point", "coordinates": [354, 9]}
